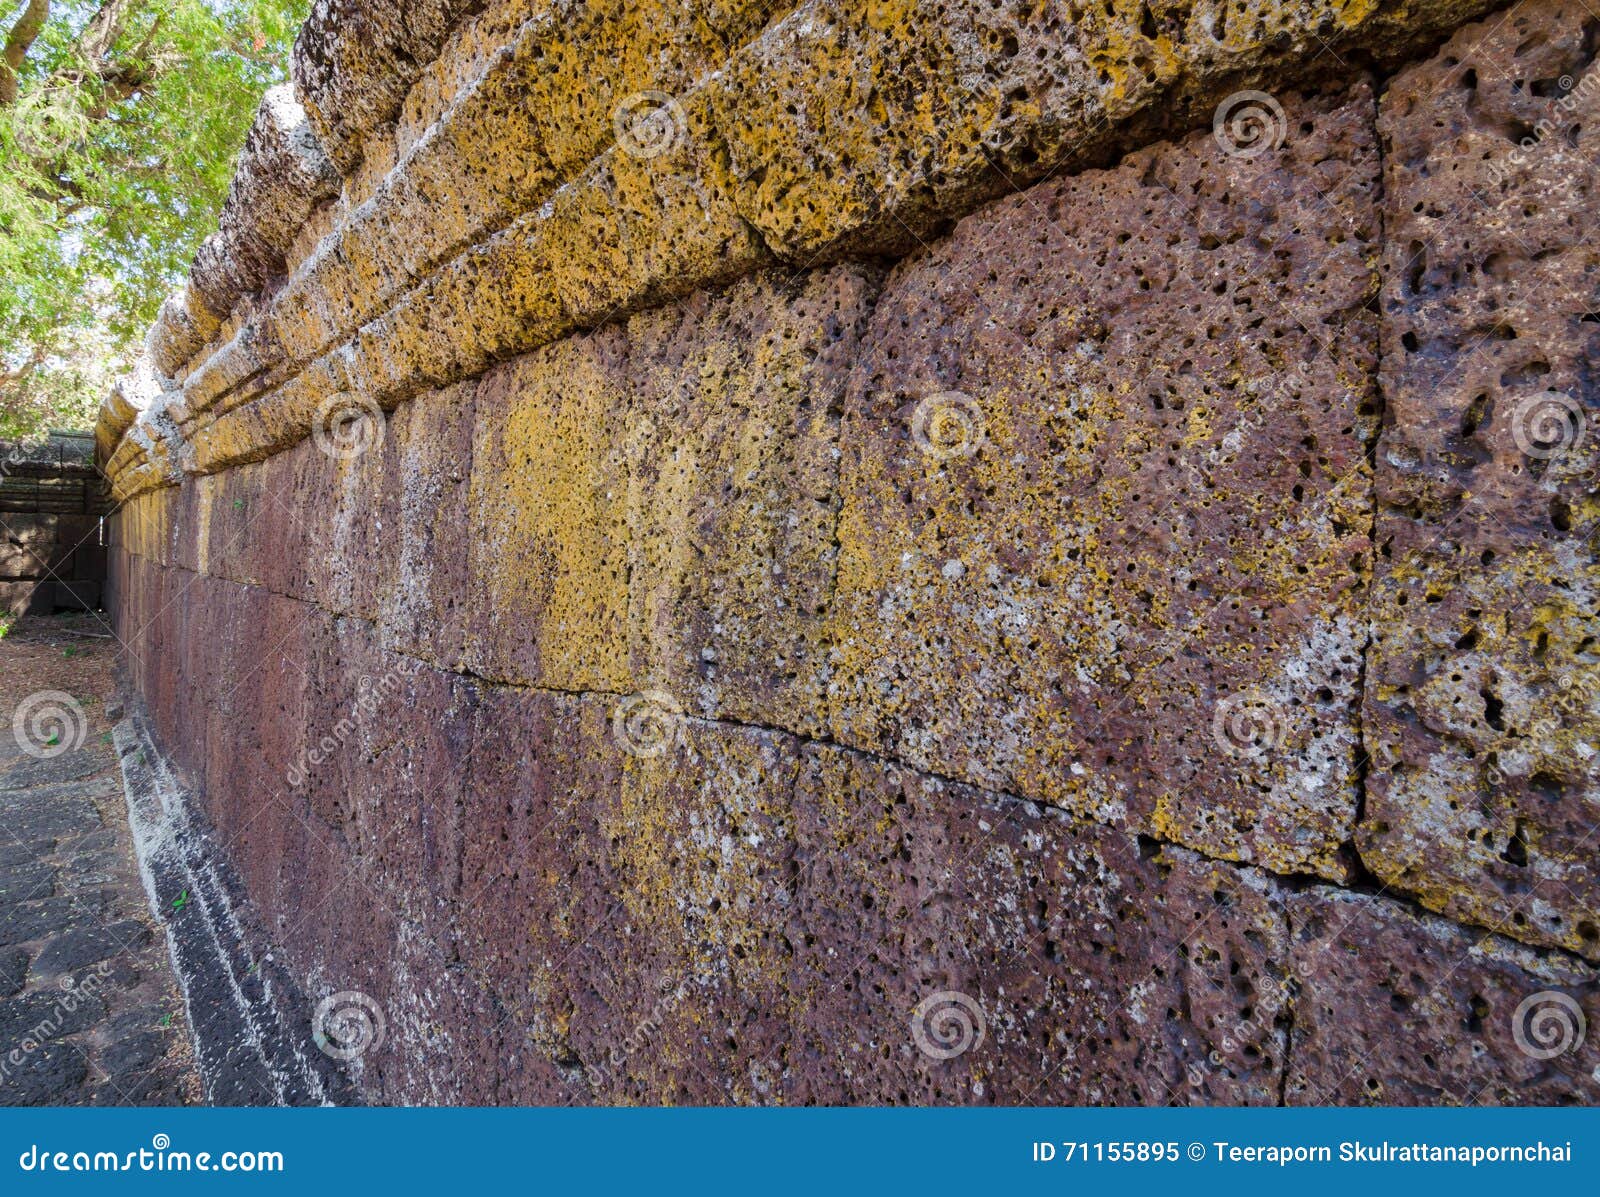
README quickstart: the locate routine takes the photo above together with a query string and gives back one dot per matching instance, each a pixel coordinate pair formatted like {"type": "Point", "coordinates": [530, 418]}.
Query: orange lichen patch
{"type": "Point", "coordinates": [856, 128]}
{"type": "Point", "coordinates": [482, 165]}
{"type": "Point", "coordinates": [736, 398]}
{"type": "Point", "coordinates": [468, 53]}
{"type": "Point", "coordinates": [144, 525]}
{"type": "Point", "coordinates": [550, 504]}
{"type": "Point", "coordinates": [837, 130]}
{"type": "Point", "coordinates": [682, 473]}
{"type": "Point", "coordinates": [592, 61]}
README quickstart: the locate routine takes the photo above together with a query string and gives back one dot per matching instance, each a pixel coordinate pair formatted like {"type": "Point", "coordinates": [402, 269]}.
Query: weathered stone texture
{"type": "Point", "coordinates": [355, 61]}
{"type": "Point", "coordinates": [737, 488]}
{"type": "Point", "coordinates": [548, 591]}
{"type": "Point", "coordinates": [426, 612]}
{"type": "Point", "coordinates": [656, 503]}
{"type": "Point", "coordinates": [664, 651]}
{"type": "Point", "coordinates": [519, 889]}
{"type": "Point", "coordinates": [1154, 520]}
{"type": "Point", "coordinates": [1400, 1009]}
{"type": "Point", "coordinates": [1106, 970]}
{"type": "Point", "coordinates": [856, 128]}
{"type": "Point", "coordinates": [282, 177]}
{"type": "Point", "coordinates": [1483, 706]}
{"type": "Point", "coordinates": [809, 140]}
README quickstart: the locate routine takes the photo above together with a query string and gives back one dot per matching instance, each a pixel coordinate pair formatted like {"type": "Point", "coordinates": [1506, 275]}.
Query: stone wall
{"type": "Point", "coordinates": [52, 544]}
{"type": "Point", "coordinates": [721, 553]}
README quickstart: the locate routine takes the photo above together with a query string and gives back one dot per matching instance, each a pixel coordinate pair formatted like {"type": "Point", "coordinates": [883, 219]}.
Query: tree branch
{"type": "Point", "coordinates": [18, 42]}
{"type": "Point", "coordinates": [104, 28]}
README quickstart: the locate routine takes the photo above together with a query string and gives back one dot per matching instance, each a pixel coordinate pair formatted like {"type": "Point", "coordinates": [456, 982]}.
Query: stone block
{"type": "Point", "coordinates": [1395, 1008]}
{"type": "Point", "coordinates": [426, 612]}
{"type": "Point", "coordinates": [355, 60]}
{"type": "Point", "coordinates": [540, 889]}
{"type": "Point", "coordinates": [952, 947]}
{"type": "Point", "coordinates": [549, 508]}
{"type": "Point", "coordinates": [734, 401]}
{"type": "Point", "coordinates": [857, 128]}
{"type": "Point", "coordinates": [1483, 700]}
{"type": "Point", "coordinates": [1107, 508]}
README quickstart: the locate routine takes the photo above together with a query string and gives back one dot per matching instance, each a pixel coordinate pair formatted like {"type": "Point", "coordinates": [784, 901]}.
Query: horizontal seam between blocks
{"type": "Point", "coordinates": [1291, 882]}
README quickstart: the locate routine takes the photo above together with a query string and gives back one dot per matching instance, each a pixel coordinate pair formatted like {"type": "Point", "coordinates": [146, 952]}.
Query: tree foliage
{"type": "Point", "coordinates": [119, 124]}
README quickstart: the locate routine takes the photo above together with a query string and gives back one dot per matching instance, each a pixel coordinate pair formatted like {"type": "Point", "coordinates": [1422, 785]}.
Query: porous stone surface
{"type": "Point", "coordinates": [355, 60]}
{"type": "Point", "coordinates": [282, 177]}
{"type": "Point", "coordinates": [684, 471]}
{"type": "Point", "coordinates": [1396, 1008]}
{"type": "Point", "coordinates": [1105, 969]}
{"type": "Point", "coordinates": [1483, 703]}
{"type": "Point", "coordinates": [681, 160]}
{"type": "Point", "coordinates": [1131, 580]}
{"type": "Point", "coordinates": [849, 554]}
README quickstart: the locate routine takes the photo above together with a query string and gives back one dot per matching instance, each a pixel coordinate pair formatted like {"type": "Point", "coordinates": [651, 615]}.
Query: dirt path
{"type": "Point", "coordinates": [89, 1010]}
